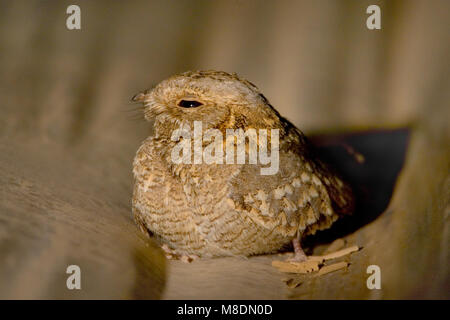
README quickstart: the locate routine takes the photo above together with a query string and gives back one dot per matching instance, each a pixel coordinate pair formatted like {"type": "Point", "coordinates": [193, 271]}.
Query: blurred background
{"type": "Point", "coordinates": [68, 132]}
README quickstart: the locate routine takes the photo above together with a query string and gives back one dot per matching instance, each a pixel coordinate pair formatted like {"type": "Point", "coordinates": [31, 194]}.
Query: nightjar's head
{"type": "Point", "coordinates": [218, 99]}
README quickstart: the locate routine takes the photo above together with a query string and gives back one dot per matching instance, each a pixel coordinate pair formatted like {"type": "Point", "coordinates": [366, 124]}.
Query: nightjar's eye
{"type": "Point", "coordinates": [189, 103]}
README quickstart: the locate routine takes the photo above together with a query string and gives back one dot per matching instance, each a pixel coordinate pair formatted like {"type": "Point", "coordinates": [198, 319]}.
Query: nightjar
{"type": "Point", "coordinates": [228, 208]}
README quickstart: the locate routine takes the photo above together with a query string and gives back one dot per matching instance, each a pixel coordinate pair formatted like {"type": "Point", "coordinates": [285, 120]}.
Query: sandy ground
{"type": "Point", "coordinates": [56, 211]}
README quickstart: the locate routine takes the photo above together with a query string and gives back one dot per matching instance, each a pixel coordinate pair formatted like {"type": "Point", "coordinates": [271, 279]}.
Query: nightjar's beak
{"type": "Point", "coordinates": [139, 97]}
{"type": "Point", "coordinates": [151, 108]}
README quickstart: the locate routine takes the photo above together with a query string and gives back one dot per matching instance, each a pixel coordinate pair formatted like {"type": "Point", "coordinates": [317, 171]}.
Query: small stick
{"type": "Point", "coordinates": [334, 255]}
{"type": "Point", "coordinates": [296, 267]}
{"type": "Point", "coordinates": [331, 268]}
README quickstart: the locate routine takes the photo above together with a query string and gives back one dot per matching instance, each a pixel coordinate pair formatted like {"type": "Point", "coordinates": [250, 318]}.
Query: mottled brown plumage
{"type": "Point", "coordinates": [212, 210]}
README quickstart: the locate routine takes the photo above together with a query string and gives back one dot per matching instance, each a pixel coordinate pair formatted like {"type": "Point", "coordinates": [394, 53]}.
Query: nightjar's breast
{"type": "Point", "coordinates": [221, 210]}
{"type": "Point", "coordinates": [189, 208]}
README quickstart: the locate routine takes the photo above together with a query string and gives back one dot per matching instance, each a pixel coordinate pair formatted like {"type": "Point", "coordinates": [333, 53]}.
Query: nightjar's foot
{"type": "Point", "coordinates": [173, 255]}
{"type": "Point", "coordinates": [299, 255]}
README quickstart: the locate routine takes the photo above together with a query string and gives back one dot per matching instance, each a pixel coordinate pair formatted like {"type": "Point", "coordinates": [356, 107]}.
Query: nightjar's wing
{"type": "Point", "coordinates": [302, 196]}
